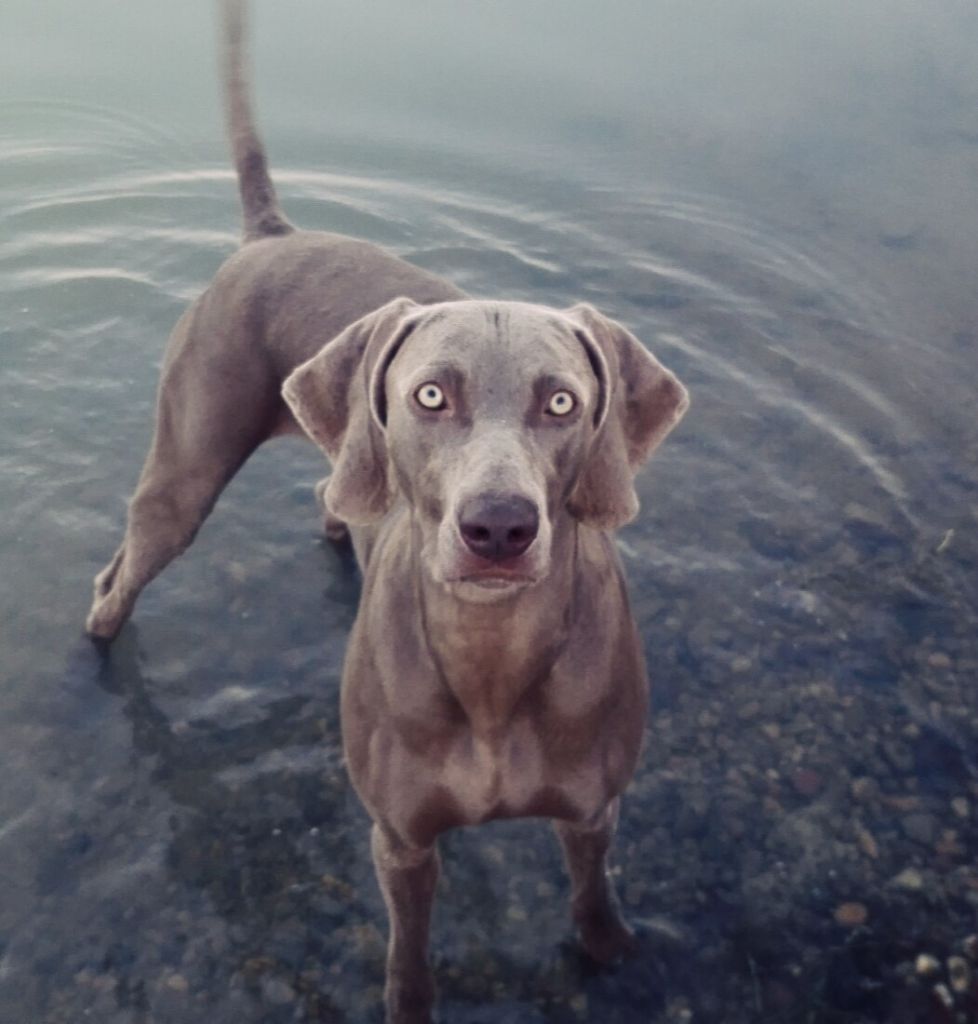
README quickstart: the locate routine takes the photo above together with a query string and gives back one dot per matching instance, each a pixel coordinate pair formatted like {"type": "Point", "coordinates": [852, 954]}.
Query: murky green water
{"type": "Point", "coordinates": [782, 200]}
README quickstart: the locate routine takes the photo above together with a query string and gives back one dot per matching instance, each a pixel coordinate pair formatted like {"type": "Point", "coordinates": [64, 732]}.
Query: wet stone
{"type": "Point", "coordinates": [943, 995]}
{"type": "Point", "coordinates": [806, 782]}
{"type": "Point", "coordinates": [867, 843]}
{"type": "Point", "coordinates": [927, 966]}
{"type": "Point", "coordinates": [578, 1005]}
{"type": "Point", "coordinates": [851, 915]}
{"type": "Point", "coordinates": [909, 878]}
{"type": "Point", "coordinates": [949, 844]}
{"type": "Point", "coordinates": [959, 973]}
{"type": "Point", "coordinates": [276, 991]}
{"type": "Point", "coordinates": [919, 827]}
{"type": "Point", "coordinates": [864, 789]}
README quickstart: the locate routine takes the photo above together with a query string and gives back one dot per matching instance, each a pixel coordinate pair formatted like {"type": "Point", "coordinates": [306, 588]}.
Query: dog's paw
{"type": "Point", "coordinates": [104, 620]}
{"type": "Point", "coordinates": [606, 938]}
{"type": "Point", "coordinates": [409, 997]}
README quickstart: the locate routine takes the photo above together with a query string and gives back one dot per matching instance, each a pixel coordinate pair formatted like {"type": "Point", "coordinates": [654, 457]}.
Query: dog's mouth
{"type": "Point", "coordinates": [497, 579]}
{"type": "Point", "coordinates": [492, 576]}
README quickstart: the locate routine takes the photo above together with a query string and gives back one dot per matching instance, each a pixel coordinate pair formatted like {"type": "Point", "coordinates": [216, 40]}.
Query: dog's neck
{"type": "Point", "coordinates": [491, 654]}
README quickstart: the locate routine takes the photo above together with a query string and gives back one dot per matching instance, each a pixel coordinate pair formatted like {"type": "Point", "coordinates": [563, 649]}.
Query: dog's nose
{"type": "Point", "coordinates": [498, 526]}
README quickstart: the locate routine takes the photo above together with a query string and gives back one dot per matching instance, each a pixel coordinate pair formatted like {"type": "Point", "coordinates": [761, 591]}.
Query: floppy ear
{"type": "Point", "coordinates": [641, 402]}
{"type": "Point", "coordinates": [334, 397]}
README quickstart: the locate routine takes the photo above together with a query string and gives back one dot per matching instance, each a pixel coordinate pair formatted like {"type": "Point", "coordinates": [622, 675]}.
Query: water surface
{"type": "Point", "coordinates": [781, 201]}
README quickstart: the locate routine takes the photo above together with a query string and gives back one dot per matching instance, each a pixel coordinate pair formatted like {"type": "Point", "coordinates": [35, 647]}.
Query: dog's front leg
{"type": "Point", "coordinates": [407, 876]}
{"type": "Point", "coordinates": [594, 904]}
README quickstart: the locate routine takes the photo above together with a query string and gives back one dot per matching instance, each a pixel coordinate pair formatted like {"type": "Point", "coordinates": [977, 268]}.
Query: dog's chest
{"type": "Point", "coordinates": [511, 775]}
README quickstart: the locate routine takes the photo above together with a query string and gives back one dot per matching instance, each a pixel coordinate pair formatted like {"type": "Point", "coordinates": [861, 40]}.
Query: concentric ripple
{"type": "Point", "coordinates": [788, 534]}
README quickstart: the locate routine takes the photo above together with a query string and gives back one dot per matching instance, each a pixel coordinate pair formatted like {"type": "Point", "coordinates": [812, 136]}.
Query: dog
{"type": "Point", "coordinates": [482, 452]}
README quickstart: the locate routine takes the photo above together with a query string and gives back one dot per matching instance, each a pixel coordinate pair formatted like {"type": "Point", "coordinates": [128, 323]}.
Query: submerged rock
{"type": "Point", "coordinates": [959, 973]}
{"type": "Point", "coordinates": [851, 915]}
{"type": "Point", "coordinates": [927, 966]}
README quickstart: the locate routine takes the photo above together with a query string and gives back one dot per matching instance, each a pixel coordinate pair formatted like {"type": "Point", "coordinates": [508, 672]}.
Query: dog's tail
{"type": "Point", "coordinates": [262, 216]}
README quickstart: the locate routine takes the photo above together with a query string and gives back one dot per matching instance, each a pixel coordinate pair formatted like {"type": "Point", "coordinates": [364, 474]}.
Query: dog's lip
{"type": "Point", "coordinates": [486, 574]}
{"type": "Point", "coordinates": [495, 579]}
{"type": "Point", "coordinates": [492, 577]}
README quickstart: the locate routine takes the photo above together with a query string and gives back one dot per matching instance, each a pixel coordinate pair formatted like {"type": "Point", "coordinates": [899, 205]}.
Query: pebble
{"type": "Point", "coordinates": [238, 571]}
{"type": "Point", "coordinates": [277, 991]}
{"type": "Point", "coordinates": [944, 996]}
{"type": "Point", "coordinates": [856, 513]}
{"type": "Point", "coordinates": [909, 878]}
{"type": "Point", "coordinates": [960, 807]}
{"type": "Point", "coordinates": [939, 660]}
{"type": "Point", "coordinates": [907, 802]}
{"type": "Point", "coordinates": [806, 782]}
{"type": "Point", "coordinates": [919, 827]}
{"type": "Point", "coordinates": [959, 973]}
{"type": "Point", "coordinates": [741, 664]}
{"type": "Point", "coordinates": [177, 983]}
{"type": "Point", "coordinates": [864, 789]}
{"type": "Point", "coordinates": [750, 710]}
{"type": "Point", "coordinates": [866, 842]}
{"type": "Point", "coordinates": [970, 947]}
{"type": "Point", "coordinates": [851, 915]}
{"type": "Point", "coordinates": [578, 1004]}
{"type": "Point", "coordinates": [679, 1011]}
{"type": "Point", "coordinates": [948, 845]}
{"type": "Point", "coordinates": [927, 965]}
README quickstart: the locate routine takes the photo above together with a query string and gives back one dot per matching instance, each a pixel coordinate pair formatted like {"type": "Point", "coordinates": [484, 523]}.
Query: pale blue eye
{"type": "Point", "coordinates": [561, 403]}
{"type": "Point", "coordinates": [430, 396]}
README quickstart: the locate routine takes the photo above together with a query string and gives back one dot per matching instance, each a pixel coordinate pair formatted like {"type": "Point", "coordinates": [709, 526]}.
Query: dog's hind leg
{"type": "Point", "coordinates": [203, 436]}
{"type": "Point", "coordinates": [594, 904]}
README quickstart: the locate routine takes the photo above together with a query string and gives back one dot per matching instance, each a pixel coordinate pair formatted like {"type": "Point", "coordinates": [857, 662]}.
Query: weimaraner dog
{"type": "Point", "coordinates": [481, 453]}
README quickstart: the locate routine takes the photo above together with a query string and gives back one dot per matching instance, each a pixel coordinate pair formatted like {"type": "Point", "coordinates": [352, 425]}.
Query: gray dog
{"type": "Point", "coordinates": [481, 452]}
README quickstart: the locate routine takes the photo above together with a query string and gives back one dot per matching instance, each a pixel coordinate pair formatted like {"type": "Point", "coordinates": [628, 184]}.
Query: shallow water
{"type": "Point", "coordinates": [780, 202]}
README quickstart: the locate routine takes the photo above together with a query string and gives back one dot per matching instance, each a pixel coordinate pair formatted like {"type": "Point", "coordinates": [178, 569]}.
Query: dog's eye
{"type": "Point", "coordinates": [561, 403]}
{"type": "Point", "coordinates": [430, 396]}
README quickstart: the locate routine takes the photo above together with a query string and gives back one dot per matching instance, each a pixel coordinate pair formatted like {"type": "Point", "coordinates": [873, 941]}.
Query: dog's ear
{"type": "Point", "coordinates": [337, 397]}
{"type": "Point", "coordinates": [640, 402]}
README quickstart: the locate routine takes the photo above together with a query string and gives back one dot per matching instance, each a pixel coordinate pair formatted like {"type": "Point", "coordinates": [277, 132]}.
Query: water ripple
{"type": "Point", "coordinates": [755, 320]}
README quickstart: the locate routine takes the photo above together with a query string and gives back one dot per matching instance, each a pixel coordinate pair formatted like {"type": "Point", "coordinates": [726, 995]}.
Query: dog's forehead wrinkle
{"type": "Point", "coordinates": [500, 368]}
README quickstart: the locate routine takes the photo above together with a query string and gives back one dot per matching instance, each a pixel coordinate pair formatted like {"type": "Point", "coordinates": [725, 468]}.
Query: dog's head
{"type": "Point", "coordinates": [492, 419]}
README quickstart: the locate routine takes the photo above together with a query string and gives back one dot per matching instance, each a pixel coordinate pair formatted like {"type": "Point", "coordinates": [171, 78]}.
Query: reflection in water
{"type": "Point", "coordinates": [177, 836]}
